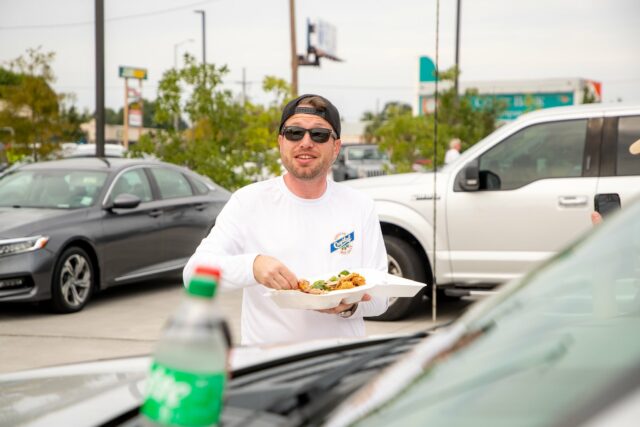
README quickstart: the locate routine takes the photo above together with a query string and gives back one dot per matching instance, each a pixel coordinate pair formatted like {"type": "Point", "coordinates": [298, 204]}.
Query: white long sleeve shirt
{"type": "Point", "coordinates": [312, 237]}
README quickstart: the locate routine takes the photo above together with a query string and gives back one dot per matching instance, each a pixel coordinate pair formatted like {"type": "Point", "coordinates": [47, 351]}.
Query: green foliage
{"type": "Point", "coordinates": [37, 114]}
{"type": "Point", "coordinates": [405, 137]}
{"type": "Point", "coordinates": [375, 121]}
{"type": "Point", "coordinates": [231, 143]}
{"type": "Point", "coordinates": [588, 97]}
{"type": "Point", "coordinates": [113, 117]}
{"type": "Point", "coordinates": [72, 119]}
{"type": "Point", "coordinates": [409, 138]}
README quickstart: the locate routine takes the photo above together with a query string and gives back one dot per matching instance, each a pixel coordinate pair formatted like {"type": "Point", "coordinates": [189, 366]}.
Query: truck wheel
{"type": "Point", "coordinates": [403, 262]}
{"type": "Point", "coordinates": [72, 281]}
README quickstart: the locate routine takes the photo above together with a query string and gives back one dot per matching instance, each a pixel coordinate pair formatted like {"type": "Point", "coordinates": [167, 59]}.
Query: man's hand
{"type": "Point", "coordinates": [344, 307]}
{"type": "Point", "coordinates": [271, 273]}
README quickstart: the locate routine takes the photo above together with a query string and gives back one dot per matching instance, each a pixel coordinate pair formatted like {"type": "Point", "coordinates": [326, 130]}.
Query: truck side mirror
{"type": "Point", "coordinates": [469, 176]}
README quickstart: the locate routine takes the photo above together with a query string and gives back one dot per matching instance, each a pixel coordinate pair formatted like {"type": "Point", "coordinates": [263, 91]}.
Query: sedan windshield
{"type": "Point", "coordinates": [60, 189]}
{"type": "Point", "coordinates": [550, 344]}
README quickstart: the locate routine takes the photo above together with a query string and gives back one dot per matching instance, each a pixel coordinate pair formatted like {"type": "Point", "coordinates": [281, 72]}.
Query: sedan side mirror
{"type": "Point", "coordinates": [125, 201]}
{"type": "Point", "coordinates": [469, 176]}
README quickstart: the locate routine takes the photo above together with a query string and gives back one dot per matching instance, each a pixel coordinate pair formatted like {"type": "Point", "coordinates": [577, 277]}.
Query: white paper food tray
{"type": "Point", "coordinates": [378, 284]}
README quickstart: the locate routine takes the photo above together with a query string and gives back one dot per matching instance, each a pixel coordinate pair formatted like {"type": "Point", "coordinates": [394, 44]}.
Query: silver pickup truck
{"type": "Point", "coordinates": [360, 161]}
{"type": "Point", "coordinates": [509, 202]}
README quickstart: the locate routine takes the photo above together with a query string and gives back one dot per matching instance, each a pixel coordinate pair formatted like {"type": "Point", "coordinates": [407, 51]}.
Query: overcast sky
{"type": "Point", "coordinates": [380, 41]}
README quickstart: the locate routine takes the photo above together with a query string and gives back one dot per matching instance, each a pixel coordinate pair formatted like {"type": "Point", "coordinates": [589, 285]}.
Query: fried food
{"type": "Point", "coordinates": [304, 286]}
{"type": "Point", "coordinates": [344, 280]}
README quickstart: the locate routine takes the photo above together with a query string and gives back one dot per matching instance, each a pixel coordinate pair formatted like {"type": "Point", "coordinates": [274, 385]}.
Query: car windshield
{"type": "Point", "coordinates": [559, 336]}
{"type": "Point", "coordinates": [60, 189]}
{"type": "Point", "coordinates": [365, 153]}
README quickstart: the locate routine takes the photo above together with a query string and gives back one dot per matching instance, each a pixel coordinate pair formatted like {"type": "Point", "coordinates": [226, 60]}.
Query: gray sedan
{"type": "Point", "coordinates": [69, 228]}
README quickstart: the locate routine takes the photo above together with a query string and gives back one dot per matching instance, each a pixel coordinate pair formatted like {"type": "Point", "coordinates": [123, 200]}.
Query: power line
{"type": "Point", "coordinates": [116, 18]}
{"type": "Point", "coordinates": [354, 87]}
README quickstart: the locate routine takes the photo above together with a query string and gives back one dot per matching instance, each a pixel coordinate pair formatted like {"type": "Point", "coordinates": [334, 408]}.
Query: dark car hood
{"type": "Point", "coordinates": [92, 393]}
{"type": "Point", "coordinates": [15, 222]}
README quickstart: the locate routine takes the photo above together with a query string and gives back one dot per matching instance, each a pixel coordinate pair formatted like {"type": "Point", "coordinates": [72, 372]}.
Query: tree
{"type": "Point", "coordinates": [375, 120]}
{"type": "Point", "coordinates": [229, 142]}
{"type": "Point", "coordinates": [113, 117]}
{"type": "Point", "coordinates": [72, 119]}
{"type": "Point", "coordinates": [408, 138]}
{"type": "Point", "coordinates": [35, 112]}
{"type": "Point", "coordinates": [588, 97]}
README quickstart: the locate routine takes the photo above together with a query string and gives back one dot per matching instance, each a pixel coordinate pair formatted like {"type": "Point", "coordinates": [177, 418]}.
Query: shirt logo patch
{"type": "Point", "coordinates": [343, 243]}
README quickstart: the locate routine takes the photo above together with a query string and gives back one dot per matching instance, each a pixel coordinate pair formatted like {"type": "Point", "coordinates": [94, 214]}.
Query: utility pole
{"type": "Point", "coordinates": [294, 50]}
{"type": "Point", "coordinates": [99, 28]}
{"type": "Point", "coordinates": [125, 135]}
{"type": "Point", "coordinates": [457, 47]}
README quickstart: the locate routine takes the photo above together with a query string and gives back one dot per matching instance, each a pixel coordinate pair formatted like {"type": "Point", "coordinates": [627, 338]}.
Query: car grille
{"type": "Point", "coordinates": [376, 173]}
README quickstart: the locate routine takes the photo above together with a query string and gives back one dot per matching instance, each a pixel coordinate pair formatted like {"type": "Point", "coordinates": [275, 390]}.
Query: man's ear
{"type": "Point", "coordinates": [336, 148]}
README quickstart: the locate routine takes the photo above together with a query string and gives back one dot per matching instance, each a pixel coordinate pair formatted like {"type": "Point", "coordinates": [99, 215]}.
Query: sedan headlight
{"type": "Point", "coordinates": [23, 244]}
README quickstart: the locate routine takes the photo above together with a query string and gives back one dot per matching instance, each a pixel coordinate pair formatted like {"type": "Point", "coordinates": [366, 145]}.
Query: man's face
{"type": "Point", "coordinates": [305, 159]}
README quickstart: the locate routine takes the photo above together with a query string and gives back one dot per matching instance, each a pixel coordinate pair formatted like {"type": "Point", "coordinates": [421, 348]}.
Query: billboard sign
{"type": "Point", "coordinates": [427, 70]}
{"type": "Point", "coordinates": [135, 118]}
{"type": "Point", "coordinates": [520, 103]}
{"type": "Point", "coordinates": [325, 38]}
{"type": "Point", "coordinates": [132, 73]}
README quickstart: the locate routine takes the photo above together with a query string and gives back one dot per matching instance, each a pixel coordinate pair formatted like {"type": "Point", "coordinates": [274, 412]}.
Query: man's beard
{"type": "Point", "coordinates": [308, 173]}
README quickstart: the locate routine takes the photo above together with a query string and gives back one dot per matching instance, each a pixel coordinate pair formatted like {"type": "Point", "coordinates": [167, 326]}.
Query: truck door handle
{"type": "Point", "coordinates": [201, 206]}
{"type": "Point", "coordinates": [155, 213]}
{"type": "Point", "coordinates": [572, 201]}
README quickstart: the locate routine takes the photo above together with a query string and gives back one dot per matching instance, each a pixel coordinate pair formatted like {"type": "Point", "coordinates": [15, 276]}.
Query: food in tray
{"type": "Point", "coordinates": [344, 280]}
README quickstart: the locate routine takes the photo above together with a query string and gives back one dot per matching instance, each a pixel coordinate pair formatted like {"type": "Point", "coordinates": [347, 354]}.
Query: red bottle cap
{"type": "Point", "coordinates": [202, 270]}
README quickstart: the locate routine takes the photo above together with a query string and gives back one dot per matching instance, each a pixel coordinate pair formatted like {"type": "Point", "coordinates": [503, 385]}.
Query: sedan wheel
{"type": "Point", "coordinates": [72, 281]}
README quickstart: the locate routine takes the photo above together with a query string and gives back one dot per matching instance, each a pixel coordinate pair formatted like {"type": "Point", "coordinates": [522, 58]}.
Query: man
{"type": "Point", "coordinates": [455, 145]}
{"type": "Point", "coordinates": [296, 226]}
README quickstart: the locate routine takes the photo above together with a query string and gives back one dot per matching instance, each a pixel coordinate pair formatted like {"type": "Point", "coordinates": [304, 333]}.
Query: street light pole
{"type": "Point", "coordinates": [204, 36]}
{"type": "Point", "coordinates": [457, 47]}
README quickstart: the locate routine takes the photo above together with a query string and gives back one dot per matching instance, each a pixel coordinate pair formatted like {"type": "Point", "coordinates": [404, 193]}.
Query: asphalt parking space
{"type": "Point", "coordinates": [127, 321]}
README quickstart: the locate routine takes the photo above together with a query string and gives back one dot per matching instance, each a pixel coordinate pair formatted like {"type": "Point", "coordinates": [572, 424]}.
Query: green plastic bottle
{"type": "Point", "coordinates": [186, 383]}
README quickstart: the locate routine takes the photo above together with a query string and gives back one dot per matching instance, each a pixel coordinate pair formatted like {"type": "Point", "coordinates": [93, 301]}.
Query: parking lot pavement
{"type": "Point", "coordinates": [127, 321]}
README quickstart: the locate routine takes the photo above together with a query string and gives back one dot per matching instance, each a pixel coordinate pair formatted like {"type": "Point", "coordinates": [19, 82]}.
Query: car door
{"type": "Point", "coordinates": [536, 194]}
{"type": "Point", "coordinates": [132, 243]}
{"type": "Point", "coordinates": [186, 215]}
{"type": "Point", "coordinates": [620, 169]}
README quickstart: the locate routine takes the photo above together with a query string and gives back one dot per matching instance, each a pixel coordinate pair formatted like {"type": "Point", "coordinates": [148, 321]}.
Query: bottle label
{"type": "Point", "coordinates": [181, 398]}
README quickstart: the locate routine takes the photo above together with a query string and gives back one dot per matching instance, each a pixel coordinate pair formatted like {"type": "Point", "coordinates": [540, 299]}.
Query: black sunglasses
{"type": "Point", "coordinates": [296, 133]}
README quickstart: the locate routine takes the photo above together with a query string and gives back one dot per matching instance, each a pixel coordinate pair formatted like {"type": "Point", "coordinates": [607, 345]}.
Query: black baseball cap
{"type": "Point", "coordinates": [330, 113]}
